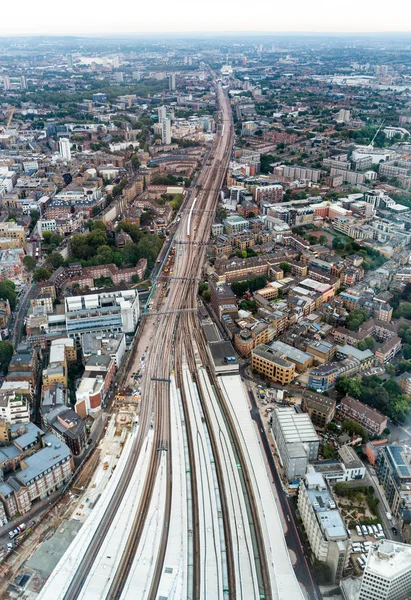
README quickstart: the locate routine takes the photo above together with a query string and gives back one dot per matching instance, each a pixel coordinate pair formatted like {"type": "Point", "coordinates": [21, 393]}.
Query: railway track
{"type": "Point", "coordinates": [155, 409]}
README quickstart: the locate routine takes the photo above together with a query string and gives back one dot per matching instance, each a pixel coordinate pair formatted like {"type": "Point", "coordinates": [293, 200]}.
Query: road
{"type": "Point", "coordinates": [292, 536]}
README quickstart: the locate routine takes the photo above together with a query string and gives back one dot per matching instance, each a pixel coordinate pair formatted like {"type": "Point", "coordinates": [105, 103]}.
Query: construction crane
{"type": "Point", "coordinates": [371, 144]}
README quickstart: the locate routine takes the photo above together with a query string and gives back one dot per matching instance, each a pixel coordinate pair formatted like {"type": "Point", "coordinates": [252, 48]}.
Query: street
{"type": "Point", "coordinates": [301, 568]}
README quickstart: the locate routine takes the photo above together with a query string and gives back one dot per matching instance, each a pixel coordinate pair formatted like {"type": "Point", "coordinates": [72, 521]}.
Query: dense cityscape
{"type": "Point", "coordinates": [205, 317]}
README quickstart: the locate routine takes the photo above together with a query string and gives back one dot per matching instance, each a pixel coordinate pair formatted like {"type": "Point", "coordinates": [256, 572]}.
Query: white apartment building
{"type": "Point", "coordinates": [14, 408]}
{"type": "Point", "coordinates": [387, 574]}
{"type": "Point", "coordinates": [166, 132]}
{"type": "Point", "coordinates": [162, 113]}
{"type": "Point", "coordinates": [323, 524]}
{"type": "Point", "coordinates": [64, 149]}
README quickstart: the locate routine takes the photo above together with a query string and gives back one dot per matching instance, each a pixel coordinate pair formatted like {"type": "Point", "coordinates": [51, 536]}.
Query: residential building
{"type": "Point", "coordinates": [235, 224]}
{"type": "Point", "coordinates": [394, 474]}
{"type": "Point", "coordinates": [353, 466]}
{"type": "Point", "coordinates": [5, 313]}
{"type": "Point", "coordinates": [56, 373]}
{"type": "Point", "coordinates": [321, 409]}
{"type": "Point", "coordinates": [89, 395]}
{"type": "Point", "coordinates": [321, 350]}
{"type": "Point", "coordinates": [365, 357]}
{"type": "Point", "coordinates": [14, 408]}
{"type": "Point", "coordinates": [5, 431]}
{"type": "Point", "coordinates": [388, 349]}
{"type": "Point", "coordinates": [68, 426]}
{"type": "Point", "coordinates": [40, 474]}
{"type": "Point", "coordinates": [387, 573]}
{"type": "Point", "coordinates": [405, 382]}
{"type": "Point", "coordinates": [272, 365]}
{"type": "Point", "coordinates": [252, 336]}
{"type": "Point", "coordinates": [65, 149]}
{"type": "Point", "coordinates": [328, 538]}
{"type": "Point", "coordinates": [369, 418]}
{"type": "Point", "coordinates": [296, 440]}
{"type": "Point", "coordinates": [10, 229]}
{"type": "Point", "coordinates": [166, 131]}
{"type": "Point", "coordinates": [162, 113]}
{"type": "Point", "coordinates": [301, 359]}
{"type": "Point", "coordinates": [325, 376]}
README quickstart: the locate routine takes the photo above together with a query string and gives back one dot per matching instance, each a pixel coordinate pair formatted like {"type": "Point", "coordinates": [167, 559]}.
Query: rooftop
{"type": "Point", "coordinates": [296, 427]}
{"type": "Point", "coordinates": [293, 354]}
{"type": "Point", "coordinates": [389, 559]}
{"type": "Point", "coordinates": [349, 457]}
{"type": "Point", "coordinates": [272, 355]}
{"type": "Point", "coordinates": [45, 459]}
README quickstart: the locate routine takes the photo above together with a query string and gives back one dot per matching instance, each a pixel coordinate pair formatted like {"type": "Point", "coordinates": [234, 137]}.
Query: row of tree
{"type": "Point", "coordinates": [385, 396]}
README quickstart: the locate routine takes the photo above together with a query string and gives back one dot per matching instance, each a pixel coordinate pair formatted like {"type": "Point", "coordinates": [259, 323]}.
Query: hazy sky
{"type": "Point", "coordinates": [134, 16]}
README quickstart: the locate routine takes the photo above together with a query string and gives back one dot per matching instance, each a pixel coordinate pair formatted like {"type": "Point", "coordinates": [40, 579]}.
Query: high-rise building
{"type": "Point", "coordinates": [166, 133]}
{"type": "Point", "coordinates": [116, 62]}
{"type": "Point", "coordinates": [64, 149]}
{"type": "Point", "coordinates": [343, 116]}
{"type": "Point", "coordinates": [119, 77]}
{"type": "Point", "coordinates": [23, 83]}
{"type": "Point", "coordinates": [6, 82]}
{"type": "Point", "coordinates": [394, 474]}
{"type": "Point", "coordinates": [162, 113]}
{"type": "Point", "coordinates": [172, 81]}
{"type": "Point", "coordinates": [136, 75]}
{"type": "Point", "coordinates": [387, 574]}
{"type": "Point", "coordinates": [70, 61]}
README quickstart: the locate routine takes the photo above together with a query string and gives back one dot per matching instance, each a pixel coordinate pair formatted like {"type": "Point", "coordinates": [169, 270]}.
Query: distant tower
{"type": "Point", "coordinates": [162, 113]}
{"type": "Point", "coordinates": [137, 75]}
{"type": "Point", "coordinates": [6, 82]}
{"type": "Point", "coordinates": [166, 133]}
{"type": "Point", "coordinates": [172, 81]}
{"type": "Point", "coordinates": [64, 148]}
{"type": "Point", "coordinates": [119, 77]}
{"type": "Point", "coordinates": [116, 62]}
{"type": "Point", "coordinates": [70, 61]}
{"type": "Point", "coordinates": [23, 83]}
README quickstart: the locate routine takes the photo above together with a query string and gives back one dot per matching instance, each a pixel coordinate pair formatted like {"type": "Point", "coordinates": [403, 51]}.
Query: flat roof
{"type": "Point", "coordinates": [296, 427]}
{"type": "Point", "coordinates": [268, 353]}
{"type": "Point", "coordinates": [353, 351]}
{"type": "Point", "coordinates": [389, 559]}
{"type": "Point", "coordinates": [315, 285]}
{"type": "Point", "coordinates": [293, 354]}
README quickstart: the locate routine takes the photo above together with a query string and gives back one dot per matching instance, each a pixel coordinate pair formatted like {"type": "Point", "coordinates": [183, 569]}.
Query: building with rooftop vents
{"type": "Point", "coordinates": [387, 573]}
{"type": "Point", "coordinates": [296, 440]}
{"type": "Point", "coordinates": [324, 526]}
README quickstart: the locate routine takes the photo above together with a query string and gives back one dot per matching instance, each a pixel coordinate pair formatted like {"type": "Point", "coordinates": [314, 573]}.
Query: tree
{"type": "Point", "coordinates": [41, 274]}
{"type": "Point", "coordinates": [29, 262]}
{"type": "Point", "coordinates": [135, 278]}
{"type": "Point", "coordinates": [206, 295]}
{"type": "Point", "coordinates": [7, 292]}
{"type": "Point", "coordinates": [6, 352]}
{"type": "Point", "coordinates": [338, 244]}
{"type": "Point", "coordinates": [323, 239]}
{"type": "Point", "coordinates": [55, 260]}
{"type": "Point", "coordinates": [285, 266]}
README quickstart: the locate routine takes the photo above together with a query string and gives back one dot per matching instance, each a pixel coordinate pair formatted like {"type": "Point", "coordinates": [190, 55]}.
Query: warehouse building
{"type": "Point", "coordinates": [296, 440]}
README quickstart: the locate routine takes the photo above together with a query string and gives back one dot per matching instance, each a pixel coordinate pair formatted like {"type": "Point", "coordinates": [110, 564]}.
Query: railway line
{"type": "Point", "coordinates": [174, 357]}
